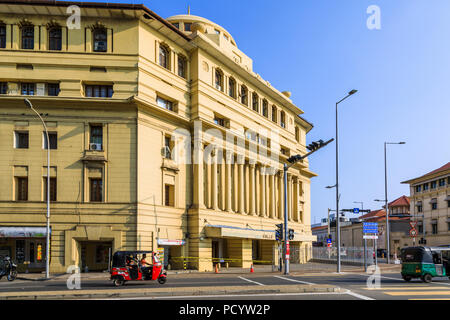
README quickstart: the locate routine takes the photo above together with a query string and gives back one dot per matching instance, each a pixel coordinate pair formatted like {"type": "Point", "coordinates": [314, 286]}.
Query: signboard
{"type": "Point", "coordinates": [413, 232]}
{"type": "Point", "coordinates": [370, 227]}
{"type": "Point", "coordinates": [166, 242]}
{"type": "Point", "coordinates": [372, 237]}
{"type": "Point", "coordinates": [23, 232]}
{"type": "Point", "coordinates": [356, 210]}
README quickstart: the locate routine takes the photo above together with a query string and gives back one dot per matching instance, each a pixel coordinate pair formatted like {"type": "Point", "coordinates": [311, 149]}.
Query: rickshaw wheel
{"type": "Point", "coordinates": [162, 280]}
{"type": "Point", "coordinates": [118, 282]}
{"type": "Point", "coordinates": [427, 278]}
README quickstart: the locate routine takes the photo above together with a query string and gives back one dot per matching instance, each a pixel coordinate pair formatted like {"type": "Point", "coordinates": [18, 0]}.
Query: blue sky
{"type": "Point", "coordinates": [321, 49]}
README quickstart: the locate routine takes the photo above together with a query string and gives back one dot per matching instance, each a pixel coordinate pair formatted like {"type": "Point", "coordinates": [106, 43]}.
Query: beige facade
{"type": "Point", "coordinates": [165, 138]}
{"type": "Point", "coordinates": [430, 205]}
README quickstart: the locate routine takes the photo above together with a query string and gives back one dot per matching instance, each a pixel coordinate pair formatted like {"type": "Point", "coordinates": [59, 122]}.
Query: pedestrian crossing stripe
{"type": "Point", "coordinates": [409, 288]}
{"type": "Point", "coordinates": [417, 293]}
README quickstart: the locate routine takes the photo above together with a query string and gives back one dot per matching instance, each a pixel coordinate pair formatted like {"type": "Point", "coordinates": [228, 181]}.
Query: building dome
{"type": "Point", "coordinates": [189, 23]}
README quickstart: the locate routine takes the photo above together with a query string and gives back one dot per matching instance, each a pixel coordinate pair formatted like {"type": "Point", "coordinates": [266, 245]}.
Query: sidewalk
{"type": "Point", "coordinates": [295, 269]}
{"type": "Point", "coordinates": [164, 292]}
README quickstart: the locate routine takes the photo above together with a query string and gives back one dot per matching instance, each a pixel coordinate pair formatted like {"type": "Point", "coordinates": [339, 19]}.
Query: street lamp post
{"type": "Point", "coordinates": [388, 245]}
{"type": "Point", "coordinates": [47, 247]}
{"type": "Point", "coordinates": [338, 238]}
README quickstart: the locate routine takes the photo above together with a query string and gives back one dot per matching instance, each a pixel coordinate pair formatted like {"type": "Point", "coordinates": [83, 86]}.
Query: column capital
{"type": "Point", "coordinates": [240, 159]}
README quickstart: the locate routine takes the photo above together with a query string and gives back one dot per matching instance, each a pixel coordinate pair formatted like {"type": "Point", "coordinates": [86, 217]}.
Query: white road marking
{"type": "Point", "coordinates": [251, 281]}
{"type": "Point", "coordinates": [357, 295]}
{"type": "Point", "coordinates": [293, 280]}
{"type": "Point", "coordinates": [234, 295]}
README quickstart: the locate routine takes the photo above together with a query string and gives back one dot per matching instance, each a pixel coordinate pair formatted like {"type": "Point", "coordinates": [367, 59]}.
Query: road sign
{"type": "Point", "coordinates": [370, 227]}
{"type": "Point", "coordinates": [373, 237]}
{"type": "Point", "coordinates": [356, 210]}
{"type": "Point", "coordinates": [413, 232]}
{"type": "Point", "coordinates": [328, 240]}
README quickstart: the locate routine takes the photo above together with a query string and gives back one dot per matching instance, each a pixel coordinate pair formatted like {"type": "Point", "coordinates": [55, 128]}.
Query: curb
{"type": "Point", "coordinates": [188, 291]}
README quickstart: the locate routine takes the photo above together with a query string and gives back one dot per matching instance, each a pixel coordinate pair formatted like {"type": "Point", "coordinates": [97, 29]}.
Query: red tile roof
{"type": "Point", "coordinates": [379, 215]}
{"type": "Point", "coordinates": [443, 168]}
{"type": "Point", "coordinates": [400, 202]}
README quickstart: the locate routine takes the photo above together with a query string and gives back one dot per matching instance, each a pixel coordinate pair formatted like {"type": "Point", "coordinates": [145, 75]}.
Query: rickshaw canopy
{"type": "Point", "coordinates": [120, 257]}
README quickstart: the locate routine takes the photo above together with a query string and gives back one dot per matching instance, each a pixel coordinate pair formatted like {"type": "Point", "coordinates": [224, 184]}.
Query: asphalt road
{"type": "Point", "coordinates": [391, 286]}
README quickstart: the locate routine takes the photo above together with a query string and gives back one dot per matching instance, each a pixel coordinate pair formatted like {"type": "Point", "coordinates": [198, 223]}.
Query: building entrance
{"type": "Point", "coordinates": [95, 255]}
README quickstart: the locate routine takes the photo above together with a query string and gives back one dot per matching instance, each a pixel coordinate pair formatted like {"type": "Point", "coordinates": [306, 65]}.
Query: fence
{"type": "Point", "coordinates": [348, 254]}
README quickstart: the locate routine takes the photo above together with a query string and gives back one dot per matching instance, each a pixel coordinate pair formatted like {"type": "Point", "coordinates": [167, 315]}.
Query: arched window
{"type": "Point", "coordinates": [274, 114]}
{"type": "Point", "coordinates": [232, 87]}
{"type": "Point", "coordinates": [244, 95]}
{"type": "Point", "coordinates": [283, 119]}
{"type": "Point", "coordinates": [265, 108]}
{"type": "Point", "coordinates": [255, 102]}
{"type": "Point", "coordinates": [297, 134]}
{"type": "Point", "coordinates": [100, 40]}
{"type": "Point", "coordinates": [54, 38]}
{"type": "Point", "coordinates": [182, 66]}
{"type": "Point", "coordinates": [219, 80]}
{"type": "Point", "coordinates": [28, 37]}
{"type": "Point", "coordinates": [2, 36]}
{"type": "Point", "coordinates": [164, 55]}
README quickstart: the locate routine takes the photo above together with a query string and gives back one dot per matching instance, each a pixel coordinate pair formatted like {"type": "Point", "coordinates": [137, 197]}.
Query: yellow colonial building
{"type": "Point", "coordinates": [162, 137]}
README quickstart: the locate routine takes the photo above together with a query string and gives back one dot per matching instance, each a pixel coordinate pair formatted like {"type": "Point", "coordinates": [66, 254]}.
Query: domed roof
{"type": "Point", "coordinates": [201, 23]}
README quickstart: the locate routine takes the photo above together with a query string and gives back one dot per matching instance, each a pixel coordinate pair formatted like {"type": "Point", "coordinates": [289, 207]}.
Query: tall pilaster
{"type": "Point", "coordinates": [252, 190]}
{"type": "Point", "coordinates": [263, 191]}
{"type": "Point", "coordinates": [214, 191]}
{"type": "Point", "coordinates": [280, 195]}
{"type": "Point", "coordinates": [228, 183]}
{"type": "Point", "coordinates": [199, 200]}
{"type": "Point", "coordinates": [241, 184]}
{"type": "Point", "coordinates": [272, 212]}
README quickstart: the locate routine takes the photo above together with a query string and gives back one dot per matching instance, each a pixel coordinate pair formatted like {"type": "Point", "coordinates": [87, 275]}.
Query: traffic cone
{"type": "Point", "coordinates": [251, 269]}
{"type": "Point", "coordinates": [216, 270]}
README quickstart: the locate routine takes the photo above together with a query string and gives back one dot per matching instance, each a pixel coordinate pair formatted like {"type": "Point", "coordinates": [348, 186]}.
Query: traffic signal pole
{"type": "Point", "coordinates": [293, 160]}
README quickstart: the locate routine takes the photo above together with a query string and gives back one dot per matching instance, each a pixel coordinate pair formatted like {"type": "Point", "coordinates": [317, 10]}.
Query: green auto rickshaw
{"type": "Point", "coordinates": [425, 263]}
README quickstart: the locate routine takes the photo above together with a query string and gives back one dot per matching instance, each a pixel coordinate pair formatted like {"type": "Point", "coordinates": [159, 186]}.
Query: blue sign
{"type": "Point", "coordinates": [370, 227]}
{"type": "Point", "coordinates": [356, 210]}
{"type": "Point", "coordinates": [328, 240]}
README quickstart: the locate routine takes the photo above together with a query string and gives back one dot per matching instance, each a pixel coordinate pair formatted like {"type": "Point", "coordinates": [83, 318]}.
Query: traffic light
{"type": "Point", "coordinates": [422, 241]}
{"type": "Point", "coordinates": [291, 234]}
{"type": "Point", "coordinates": [279, 232]}
{"type": "Point", "coordinates": [295, 158]}
{"type": "Point", "coordinates": [315, 145]}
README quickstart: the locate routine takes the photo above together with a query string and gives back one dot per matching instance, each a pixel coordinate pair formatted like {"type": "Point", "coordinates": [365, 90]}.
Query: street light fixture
{"type": "Point", "coordinates": [386, 200]}
{"type": "Point", "coordinates": [47, 247]}
{"type": "Point", "coordinates": [352, 92]}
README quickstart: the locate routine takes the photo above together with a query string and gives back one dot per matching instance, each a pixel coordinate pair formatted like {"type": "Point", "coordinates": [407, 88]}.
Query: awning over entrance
{"type": "Point", "coordinates": [248, 233]}
{"type": "Point", "coordinates": [23, 232]}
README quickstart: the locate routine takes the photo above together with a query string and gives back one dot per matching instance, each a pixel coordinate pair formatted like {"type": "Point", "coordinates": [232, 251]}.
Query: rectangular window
{"type": "Point", "coordinates": [100, 40]}
{"type": "Point", "coordinates": [52, 189]}
{"type": "Point", "coordinates": [163, 103]}
{"type": "Point", "coordinates": [434, 206]}
{"type": "Point", "coordinates": [3, 87]}
{"type": "Point", "coordinates": [21, 139]}
{"type": "Point", "coordinates": [96, 137]}
{"type": "Point", "coordinates": [28, 37]}
{"type": "Point", "coordinates": [53, 138]}
{"type": "Point", "coordinates": [441, 182]}
{"type": "Point", "coordinates": [425, 186]}
{"type": "Point", "coordinates": [98, 91]}
{"type": "Point", "coordinates": [448, 204]}
{"type": "Point", "coordinates": [220, 121]}
{"type": "Point", "coordinates": [433, 185]}
{"type": "Point", "coordinates": [419, 209]}
{"type": "Point", "coordinates": [21, 189]}
{"type": "Point", "coordinates": [53, 89]}
{"type": "Point", "coordinates": [448, 226]}
{"type": "Point", "coordinates": [434, 228]}
{"type": "Point", "coordinates": [420, 229]}
{"type": "Point", "coordinates": [55, 39]}
{"type": "Point", "coordinates": [169, 195]}
{"type": "Point", "coordinates": [187, 26]}
{"type": "Point", "coordinates": [28, 89]}
{"type": "Point", "coordinates": [96, 190]}
{"type": "Point", "coordinates": [168, 147]}
{"type": "Point", "coordinates": [176, 25]}
{"type": "Point", "coordinates": [182, 66]}
{"type": "Point", "coordinates": [418, 188]}
{"type": "Point", "coordinates": [2, 36]}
